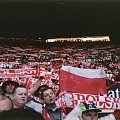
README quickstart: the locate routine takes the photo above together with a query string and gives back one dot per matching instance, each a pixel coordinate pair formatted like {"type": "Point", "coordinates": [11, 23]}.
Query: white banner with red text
{"type": "Point", "coordinates": [102, 101]}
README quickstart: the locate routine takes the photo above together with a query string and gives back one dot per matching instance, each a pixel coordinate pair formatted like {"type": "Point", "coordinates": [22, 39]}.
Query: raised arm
{"type": "Point", "coordinates": [36, 85]}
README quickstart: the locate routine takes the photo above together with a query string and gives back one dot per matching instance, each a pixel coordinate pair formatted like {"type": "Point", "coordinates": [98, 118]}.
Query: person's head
{"type": "Point", "coordinates": [21, 114]}
{"type": "Point", "coordinates": [38, 91]}
{"type": "Point", "coordinates": [117, 76]}
{"type": "Point", "coordinates": [56, 87]}
{"type": "Point", "coordinates": [5, 103]}
{"type": "Point", "coordinates": [9, 86]}
{"type": "Point", "coordinates": [20, 95]}
{"type": "Point", "coordinates": [90, 115]}
{"type": "Point", "coordinates": [48, 95]}
{"type": "Point", "coordinates": [89, 111]}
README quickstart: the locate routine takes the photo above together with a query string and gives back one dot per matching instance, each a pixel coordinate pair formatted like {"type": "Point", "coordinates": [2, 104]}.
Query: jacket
{"type": "Point", "coordinates": [47, 116]}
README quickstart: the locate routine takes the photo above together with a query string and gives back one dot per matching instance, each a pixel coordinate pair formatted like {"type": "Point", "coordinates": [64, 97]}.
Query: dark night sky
{"type": "Point", "coordinates": [60, 18]}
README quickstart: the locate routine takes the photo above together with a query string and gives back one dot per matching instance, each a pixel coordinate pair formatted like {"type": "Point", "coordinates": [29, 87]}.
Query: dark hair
{"type": "Point", "coordinates": [21, 114]}
{"type": "Point", "coordinates": [6, 83]}
{"type": "Point", "coordinates": [40, 88]}
{"type": "Point", "coordinates": [47, 88]}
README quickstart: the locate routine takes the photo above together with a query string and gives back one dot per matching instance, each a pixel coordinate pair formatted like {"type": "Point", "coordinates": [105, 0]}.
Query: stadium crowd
{"type": "Point", "coordinates": [51, 59]}
{"type": "Point", "coordinates": [41, 95]}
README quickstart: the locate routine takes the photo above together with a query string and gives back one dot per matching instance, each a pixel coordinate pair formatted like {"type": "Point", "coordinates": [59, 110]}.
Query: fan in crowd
{"type": "Point", "coordinates": [5, 103]}
{"type": "Point", "coordinates": [20, 99]}
{"type": "Point", "coordinates": [20, 96]}
{"type": "Point", "coordinates": [33, 103]}
{"type": "Point", "coordinates": [89, 111]}
{"type": "Point", "coordinates": [16, 97]}
{"type": "Point", "coordinates": [8, 87]}
{"type": "Point", "coordinates": [50, 110]}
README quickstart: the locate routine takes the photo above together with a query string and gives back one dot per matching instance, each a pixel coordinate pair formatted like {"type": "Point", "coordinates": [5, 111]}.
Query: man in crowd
{"type": "Point", "coordinates": [5, 103]}
{"type": "Point", "coordinates": [20, 100]}
{"type": "Point", "coordinates": [37, 105]}
{"type": "Point", "coordinates": [51, 111]}
{"type": "Point", "coordinates": [38, 91]}
{"type": "Point", "coordinates": [12, 90]}
{"type": "Point", "coordinates": [88, 111]}
{"type": "Point", "coordinates": [20, 97]}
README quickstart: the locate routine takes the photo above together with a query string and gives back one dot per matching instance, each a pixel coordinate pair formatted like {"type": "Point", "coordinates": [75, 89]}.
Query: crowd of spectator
{"type": "Point", "coordinates": [50, 60]}
{"type": "Point", "coordinates": [106, 57]}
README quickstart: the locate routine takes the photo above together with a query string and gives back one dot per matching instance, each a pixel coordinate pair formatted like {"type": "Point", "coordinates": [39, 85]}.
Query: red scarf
{"type": "Point", "coordinates": [47, 116]}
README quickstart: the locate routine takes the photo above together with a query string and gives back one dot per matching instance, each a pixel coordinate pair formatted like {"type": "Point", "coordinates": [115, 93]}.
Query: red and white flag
{"type": "Point", "coordinates": [86, 81]}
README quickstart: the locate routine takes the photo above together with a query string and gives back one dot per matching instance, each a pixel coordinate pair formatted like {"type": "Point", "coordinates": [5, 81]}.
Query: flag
{"type": "Point", "coordinates": [86, 81]}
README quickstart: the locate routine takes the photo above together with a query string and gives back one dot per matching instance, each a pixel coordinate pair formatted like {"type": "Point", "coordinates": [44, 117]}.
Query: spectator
{"type": "Point", "coordinates": [117, 78]}
{"type": "Point", "coordinates": [21, 114]}
{"type": "Point", "coordinates": [56, 88]}
{"type": "Point", "coordinates": [20, 96]}
{"type": "Point", "coordinates": [88, 111]}
{"type": "Point", "coordinates": [8, 87]}
{"type": "Point", "coordinates": [5, 103]}
{"type": "Point", "coordinates": [51, 111]}
{"type": "Point", "coordinates": [37, 105]}
{"type": "Point", "coordinates": [38, 91]}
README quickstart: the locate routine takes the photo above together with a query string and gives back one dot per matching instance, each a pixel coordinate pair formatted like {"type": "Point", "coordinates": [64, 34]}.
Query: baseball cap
{"type": "Point", "coordinates": [85, 107]}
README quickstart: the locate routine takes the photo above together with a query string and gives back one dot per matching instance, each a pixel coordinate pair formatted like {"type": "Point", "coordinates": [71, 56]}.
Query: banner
{"type": "Point", "coordinates": [19, 72]}
{"type": "Point", "coordinates": [86, 81]}
{"type": "Point", "coordinates": [114, 91]}
{"type": "Point", "coordinates": [103, 102]}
